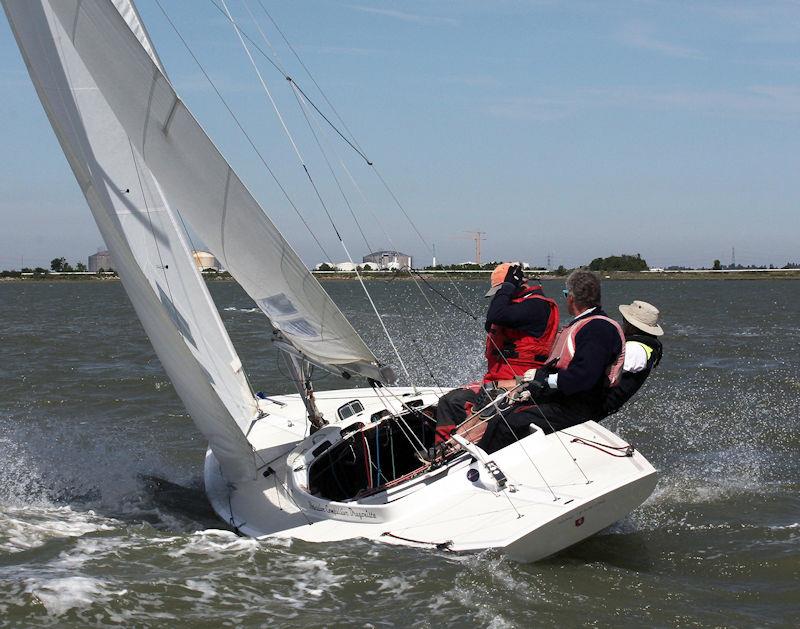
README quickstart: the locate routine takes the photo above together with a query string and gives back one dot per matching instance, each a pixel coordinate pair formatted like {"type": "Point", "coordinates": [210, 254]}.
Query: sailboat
{"type": "Point", "coordinates": [321, 466]}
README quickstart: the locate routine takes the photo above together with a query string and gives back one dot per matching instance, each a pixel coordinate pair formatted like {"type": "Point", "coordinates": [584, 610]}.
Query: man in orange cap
{"type": "Point", "coordinates": [521, 326]}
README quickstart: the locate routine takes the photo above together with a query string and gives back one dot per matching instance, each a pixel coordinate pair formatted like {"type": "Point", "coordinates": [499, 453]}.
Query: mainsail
{"type": "Point", "coordinates": [149, 249]}
{"type": "Point", "coordinates": [145, 166]}
{"type": "Point", "coordinates": [198, 181]}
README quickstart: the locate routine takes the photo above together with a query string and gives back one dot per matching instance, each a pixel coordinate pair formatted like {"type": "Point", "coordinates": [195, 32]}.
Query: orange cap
{"type": "Point", "coordinates": [498, 275]}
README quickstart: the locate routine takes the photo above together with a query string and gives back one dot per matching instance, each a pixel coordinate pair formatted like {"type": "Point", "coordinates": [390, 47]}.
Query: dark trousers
{"type": "Point", "coordinates": [455, 406]}
{"type": "Point", "coordinates": [514, 422]}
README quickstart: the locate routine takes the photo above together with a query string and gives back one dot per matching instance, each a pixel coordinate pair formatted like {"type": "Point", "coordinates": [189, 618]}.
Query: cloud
{"type": "Point", "coordinates": [639, 35]}
{"type": "Point", "coordinates": [406, 17]}
{"type": "Point", "coordinates": [755, 101]}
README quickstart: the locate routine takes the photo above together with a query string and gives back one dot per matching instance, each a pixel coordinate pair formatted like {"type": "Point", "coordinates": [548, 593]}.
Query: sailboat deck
{"type": "Point", "coordinates": [561, 487]}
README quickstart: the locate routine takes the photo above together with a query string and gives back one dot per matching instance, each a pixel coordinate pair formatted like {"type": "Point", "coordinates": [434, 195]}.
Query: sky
{"type": "Point", "coordinates": [564, 130]}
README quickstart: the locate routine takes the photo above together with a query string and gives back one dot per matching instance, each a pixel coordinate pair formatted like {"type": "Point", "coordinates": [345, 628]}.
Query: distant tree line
{"type": "Point", "coordinates": [718, 266]}
{"type": "Point", "coordinates": [622, 262]}
{"type": "Point", "coordinates": [60, 265]}
{"type": "Point", "coordinates": [464, 266]}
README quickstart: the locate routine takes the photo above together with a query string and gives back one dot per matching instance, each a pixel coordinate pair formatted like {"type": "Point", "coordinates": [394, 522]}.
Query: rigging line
{"type": "Point", "coordinates": [279, 66]}
{"type": "Point", "coordinates": [502, 490]}
{"type": "Point", "coordinates": [421, 355]}
{"type": "Point", "coordinates": [378, 452]}
{"type": "Point", "coordinates": [442, 295]}
{"type": "Point", "coordinates": [297, 89]}
{"type": "Point", "coordinates": [557, 434]}
{"type": "Point", "coordinates": [355, 144]}
{"type": "Point", "coordinates": [241, 128]}
{"type": "Point", "coordinates": [311, 76]}
{"type": "Point", "coordinates": [419, 234]}
{"type": "Point", "coordinates": [333, 173]}
{"type": "Point", "coordinates": [322, 201]}
{"type": "Point", "coordinates": [356, 148]}
{"type": "Point", "coordinates": [261, 80]}
{"type": "Point", "coordinates": [296, 86]}
{"type": "Point", "coordinates": [291, 80]}
{"type": "Point", "coordinates": [400, 420]}
{"type": "Point", "coordinates": [437, 315]}
{"type": "Point", "coordinates": [360, 279]}
{"type": "Point", "coordinates": [527, 454]}
{"type": "Point", "coordinates": [560, 440]}
{"type": "Point", "coordinates": [455, 305]}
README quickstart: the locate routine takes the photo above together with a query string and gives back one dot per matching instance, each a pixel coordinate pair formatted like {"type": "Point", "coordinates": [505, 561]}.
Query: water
{"type": "Point", "coordinates": [85, 411]}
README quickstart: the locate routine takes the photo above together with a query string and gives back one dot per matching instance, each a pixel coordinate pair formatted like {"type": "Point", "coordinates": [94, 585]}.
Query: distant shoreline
{"type": "Point", "coordinates": [482, 276]}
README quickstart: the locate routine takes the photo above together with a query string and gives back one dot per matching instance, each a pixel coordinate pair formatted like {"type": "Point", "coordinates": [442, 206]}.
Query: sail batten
{"type": "Point", "coordinates": [209, 195]}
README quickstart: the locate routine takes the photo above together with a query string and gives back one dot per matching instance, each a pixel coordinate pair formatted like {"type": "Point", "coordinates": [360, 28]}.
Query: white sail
{"type": "Point", "coordinates": [198, 181]}
{"type": "Point", "coordinates": [147, 245]}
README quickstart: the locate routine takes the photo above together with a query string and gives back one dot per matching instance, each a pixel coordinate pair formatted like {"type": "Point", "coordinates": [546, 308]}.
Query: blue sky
{"type": "Point", "coordinates": [576, 129]}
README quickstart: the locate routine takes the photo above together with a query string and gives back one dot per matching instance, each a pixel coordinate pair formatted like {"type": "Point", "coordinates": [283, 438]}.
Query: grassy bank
{"type": "Point", "coordinates": [482, 276]}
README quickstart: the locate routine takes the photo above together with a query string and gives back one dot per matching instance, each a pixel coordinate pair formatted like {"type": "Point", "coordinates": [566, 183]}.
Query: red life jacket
{"type": "Point", "coordinates": [564, 348]}
{"type": "Point", "coordinates": [520, 350]}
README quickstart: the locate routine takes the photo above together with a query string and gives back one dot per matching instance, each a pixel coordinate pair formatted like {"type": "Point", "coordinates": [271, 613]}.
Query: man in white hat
{"type": "Point", "coordinates": [642, 352]}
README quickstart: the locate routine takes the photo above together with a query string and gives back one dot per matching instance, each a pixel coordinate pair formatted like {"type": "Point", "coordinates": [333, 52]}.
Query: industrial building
{"type": "Point", "coordinates": [100, 260]}
{"type": "Point", "coordinates": [389, 260]}
{"type": "Point", "coordinates": [204, 260]}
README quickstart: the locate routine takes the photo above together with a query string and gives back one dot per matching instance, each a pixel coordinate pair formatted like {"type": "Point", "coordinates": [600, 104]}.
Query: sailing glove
{"type": "Point", "coordinates": [514, 275]}
{"type": "Point", "coordinates": [538, 381]}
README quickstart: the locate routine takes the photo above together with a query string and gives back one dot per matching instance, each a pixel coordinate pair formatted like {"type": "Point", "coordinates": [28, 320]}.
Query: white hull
{"type": "Point", "coordinates": [544, 508]}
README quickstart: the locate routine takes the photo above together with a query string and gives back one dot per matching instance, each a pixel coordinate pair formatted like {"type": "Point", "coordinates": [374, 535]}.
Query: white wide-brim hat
{"type": "Point", "coordinates": [642, 315]}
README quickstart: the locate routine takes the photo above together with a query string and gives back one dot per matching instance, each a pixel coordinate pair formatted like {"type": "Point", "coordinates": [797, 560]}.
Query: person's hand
{"type": "Point", "coordinates": [519, 395]}
{"type": "Point", "coordinates": [514, 275]}
{"type": "Point", "coordinates": [529, 375]}
{"type": "Point", "coordinates": [537, 387]}
{"type": "Point", "coordinates": [538, 383]}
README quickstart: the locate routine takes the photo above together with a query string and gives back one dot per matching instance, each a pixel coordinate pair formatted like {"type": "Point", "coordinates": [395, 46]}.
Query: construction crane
{"type": "Point", "coordinates": [476, 236]}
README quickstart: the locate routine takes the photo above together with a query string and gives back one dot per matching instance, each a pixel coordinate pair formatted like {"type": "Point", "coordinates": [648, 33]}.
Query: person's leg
{"type": "Point", "coordinates": [514, 423]}
{"type": "Point", "coordinates": [554, 416]}
{"type": "Point", "coordinates": [453, 408]}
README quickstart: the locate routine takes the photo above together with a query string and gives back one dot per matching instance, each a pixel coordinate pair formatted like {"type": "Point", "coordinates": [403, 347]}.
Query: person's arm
{"type": "Point", "coordinates": [530, 315]}
{"type": "Point", "coordinates": [635, 357]}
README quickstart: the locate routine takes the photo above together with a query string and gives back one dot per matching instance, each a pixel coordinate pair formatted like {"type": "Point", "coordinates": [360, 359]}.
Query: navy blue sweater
{"type": "Point", "coordinates": [597, 346]}
{"type": "Point", "coordinates": [529, 316]}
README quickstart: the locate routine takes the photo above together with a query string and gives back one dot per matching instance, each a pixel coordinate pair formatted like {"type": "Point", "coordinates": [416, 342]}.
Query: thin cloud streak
{"type": "Point", "coordinates": [640, 35]}
{"type": "Point", "coordinates": [405, 17]}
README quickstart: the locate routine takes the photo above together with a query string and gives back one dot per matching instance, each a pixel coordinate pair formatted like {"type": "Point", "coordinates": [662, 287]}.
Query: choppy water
{"type": "Point", "coordinates": [85, 411]}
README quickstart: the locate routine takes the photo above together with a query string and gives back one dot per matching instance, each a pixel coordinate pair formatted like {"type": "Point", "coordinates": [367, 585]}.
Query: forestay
{"type": "Point", "coordinates": [199, 182]}
{"type": "Point", "coordinates": [147, 245]}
